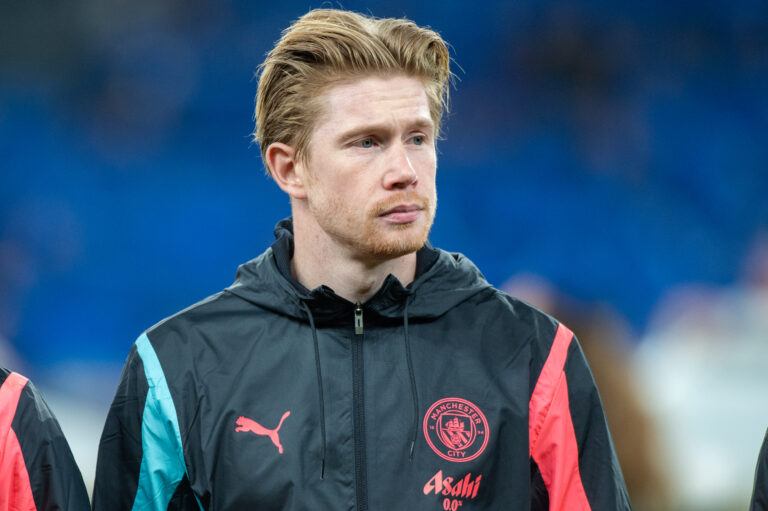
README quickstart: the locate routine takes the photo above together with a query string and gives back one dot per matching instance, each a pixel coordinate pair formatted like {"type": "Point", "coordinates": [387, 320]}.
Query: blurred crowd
{"type": "Point", "coordinates": [614, 150]}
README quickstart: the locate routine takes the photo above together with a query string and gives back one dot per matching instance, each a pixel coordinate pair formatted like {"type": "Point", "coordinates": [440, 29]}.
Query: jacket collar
{"type": "Point", "coordinates": [443, 280]}
{"type": "Point", "coordinates": [324, 302]}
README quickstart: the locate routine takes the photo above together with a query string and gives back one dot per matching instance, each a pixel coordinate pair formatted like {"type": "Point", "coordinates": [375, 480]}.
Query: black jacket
{"type": "Point", "coordinates": [760, 492]}
{"type": "Point", "coordinates": [446, 394]}
{"type": "Point", "coordinates": [37, 470]}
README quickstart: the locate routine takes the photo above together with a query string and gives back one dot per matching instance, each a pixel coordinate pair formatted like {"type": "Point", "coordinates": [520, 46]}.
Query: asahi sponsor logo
{"type": "Point", "coordinates": [453, 490]}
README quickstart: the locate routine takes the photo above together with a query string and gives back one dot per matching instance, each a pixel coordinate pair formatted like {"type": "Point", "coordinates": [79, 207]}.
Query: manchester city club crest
{"type": "Point", "coordinates": [456, 429]}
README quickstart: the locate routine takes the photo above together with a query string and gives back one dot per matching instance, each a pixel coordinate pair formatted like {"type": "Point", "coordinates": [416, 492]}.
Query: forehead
{"type": "Point", "coordinates": [398, 100]}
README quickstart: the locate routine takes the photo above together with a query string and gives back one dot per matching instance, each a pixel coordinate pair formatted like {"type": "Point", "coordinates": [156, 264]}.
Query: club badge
{"type": "Point", "coordinates": [456, 429]}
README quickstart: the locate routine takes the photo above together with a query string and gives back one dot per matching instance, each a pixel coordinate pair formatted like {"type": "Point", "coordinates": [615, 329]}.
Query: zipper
{"type": "Point", "coordinates": [358, 319]}
{"type": "Point", "coordinates": [358, 407]}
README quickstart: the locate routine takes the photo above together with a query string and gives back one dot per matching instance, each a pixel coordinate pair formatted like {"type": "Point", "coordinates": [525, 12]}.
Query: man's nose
{"type": "Point", "coordinates": [400, 173]}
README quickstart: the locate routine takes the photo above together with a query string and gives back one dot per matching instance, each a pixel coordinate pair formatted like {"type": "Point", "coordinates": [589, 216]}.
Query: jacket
{"type": "Point", "coordinates": [759, 500]}
{"type": "Point", "coordinates": [445, 394]}
{"type": "Point", "coordinates": [37, 470]}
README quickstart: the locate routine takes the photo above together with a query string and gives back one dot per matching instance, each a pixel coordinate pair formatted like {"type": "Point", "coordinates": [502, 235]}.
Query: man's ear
{"type": "Point", "coordinates": [283, 163]}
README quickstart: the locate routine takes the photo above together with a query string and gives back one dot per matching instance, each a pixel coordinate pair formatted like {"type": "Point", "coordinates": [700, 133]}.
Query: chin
{"type": "Point", "coordinates": [397, 242]}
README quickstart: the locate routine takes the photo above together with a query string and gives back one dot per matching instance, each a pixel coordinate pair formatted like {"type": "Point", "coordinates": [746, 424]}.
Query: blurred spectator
{"type": "Point", "coordinates": [702, 367]}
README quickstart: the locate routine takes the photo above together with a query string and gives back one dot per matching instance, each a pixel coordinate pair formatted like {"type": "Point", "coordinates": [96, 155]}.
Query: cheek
{"type": "Point", "coordinates": [426, 159]}
{"type": "Point", "coordinates": [351, 191]}
{"type": "Point", "coordinates": [426, 167]}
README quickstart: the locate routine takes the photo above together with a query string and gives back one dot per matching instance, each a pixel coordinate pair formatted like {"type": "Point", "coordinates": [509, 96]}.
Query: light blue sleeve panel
{"type": "Point", "coordinates": [162, 464]}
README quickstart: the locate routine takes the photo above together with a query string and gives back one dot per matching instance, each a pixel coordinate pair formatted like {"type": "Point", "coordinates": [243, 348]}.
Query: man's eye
{"type": "Point", "coordinates": [366, 143]}
{"type": "Point", "coordinates": [418, 139]}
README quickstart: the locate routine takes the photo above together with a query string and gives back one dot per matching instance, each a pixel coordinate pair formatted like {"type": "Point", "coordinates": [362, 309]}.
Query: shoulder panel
{"type": "Point", "coordinates": [553, 443]}
{"type": "Point", "coordinates": [15, 489]}
{"type": "Point", "coordinates": [162, 465]}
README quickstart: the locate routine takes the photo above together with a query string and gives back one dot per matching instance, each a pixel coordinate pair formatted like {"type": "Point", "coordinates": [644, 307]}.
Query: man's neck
{"type": "Point", "coordinates": [318, 261]}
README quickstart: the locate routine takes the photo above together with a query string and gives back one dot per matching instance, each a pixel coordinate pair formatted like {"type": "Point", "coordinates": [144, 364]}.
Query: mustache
{"type": "Point", "coordinates": [382, 207]}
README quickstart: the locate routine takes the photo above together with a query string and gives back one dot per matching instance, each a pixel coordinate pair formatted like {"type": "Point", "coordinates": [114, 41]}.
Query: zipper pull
{"type": "Point", "coordinates": [358, 319]}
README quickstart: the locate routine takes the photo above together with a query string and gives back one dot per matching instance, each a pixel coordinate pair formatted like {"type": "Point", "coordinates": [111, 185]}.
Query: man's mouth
{"type": "Point", "coordinates": [402, 214]}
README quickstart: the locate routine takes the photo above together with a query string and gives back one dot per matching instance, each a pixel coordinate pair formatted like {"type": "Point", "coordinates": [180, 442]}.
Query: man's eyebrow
{"type": "Point", "coordinates": [418, 124]}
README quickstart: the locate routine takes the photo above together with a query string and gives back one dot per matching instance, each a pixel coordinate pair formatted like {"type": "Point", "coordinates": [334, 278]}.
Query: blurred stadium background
{"type": "Point", "coordinates": [606, 160]}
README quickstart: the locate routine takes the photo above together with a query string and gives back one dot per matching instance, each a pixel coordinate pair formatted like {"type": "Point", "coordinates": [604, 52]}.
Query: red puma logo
{"type": "Point", "coordinates": [246, 424]}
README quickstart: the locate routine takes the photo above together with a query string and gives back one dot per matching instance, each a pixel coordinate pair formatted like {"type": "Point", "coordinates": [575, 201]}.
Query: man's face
{"type": "Point", "coordinates": [370, 171]}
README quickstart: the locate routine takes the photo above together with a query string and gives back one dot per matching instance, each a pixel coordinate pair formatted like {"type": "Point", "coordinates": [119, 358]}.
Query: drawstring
{"type": "Point", "coordinates": [320, 399]}
{"type": "Point", "coordinates": [414, 395]}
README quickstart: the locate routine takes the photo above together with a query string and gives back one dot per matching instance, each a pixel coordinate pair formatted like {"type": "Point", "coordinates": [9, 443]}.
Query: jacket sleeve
{"type": "Point", "coordinates": [760, 492]}
{"type": "Point", "coordinates": [37, 469]}
{"type": "Point", "coordinates": [574, 464]}
{"type": "Point", "coordinates": [120, 450]}
{"type": "Point", "coordinates": [140, 463]}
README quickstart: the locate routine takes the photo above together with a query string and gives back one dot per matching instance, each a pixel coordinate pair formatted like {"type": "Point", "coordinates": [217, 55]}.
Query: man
{"type": "Point", "coordinates": [760, 491]}
{"type": "Point", "coordinates": [37, 470]}
{"type": "Point", "coordinates": [353, 365]}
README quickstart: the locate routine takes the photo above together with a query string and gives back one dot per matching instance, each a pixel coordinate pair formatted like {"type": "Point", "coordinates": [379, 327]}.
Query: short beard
{"type": "Point", "coordinates": [369, 244]}
{"type": "Point", "coordinates": [382, 248]}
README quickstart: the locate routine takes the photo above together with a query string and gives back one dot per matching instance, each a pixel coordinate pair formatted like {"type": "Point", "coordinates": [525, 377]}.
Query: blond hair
{"type": "Point", "coordinates": [327, 46]}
